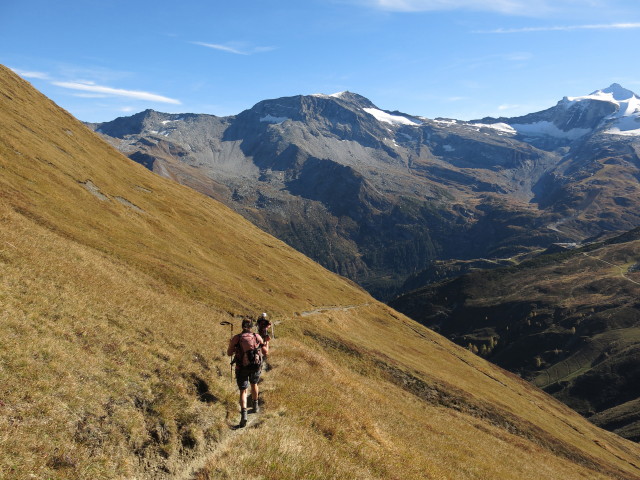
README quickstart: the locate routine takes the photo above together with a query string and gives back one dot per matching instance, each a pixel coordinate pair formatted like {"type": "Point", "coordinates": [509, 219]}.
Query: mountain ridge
{"type": "Point", "coordinates": [424, 184]}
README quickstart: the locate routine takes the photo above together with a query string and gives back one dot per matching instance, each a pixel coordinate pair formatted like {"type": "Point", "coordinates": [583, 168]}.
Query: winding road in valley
{"type": "Point", "coordinates": [622, 272]}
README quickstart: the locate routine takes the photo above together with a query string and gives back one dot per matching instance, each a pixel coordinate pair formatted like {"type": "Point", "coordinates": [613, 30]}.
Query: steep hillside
{"type": "Point", "coordinates": [112, 363]}
{"type": "Point", "coordinates": [569, 322]}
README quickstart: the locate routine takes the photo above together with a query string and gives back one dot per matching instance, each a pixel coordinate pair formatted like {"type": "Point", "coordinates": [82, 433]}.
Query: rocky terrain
{"type": "Point", "coordinates": [378, 196]}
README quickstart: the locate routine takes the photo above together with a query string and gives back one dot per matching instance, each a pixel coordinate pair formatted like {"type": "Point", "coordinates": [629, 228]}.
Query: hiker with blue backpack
{"type": "Point", "coordinates": [248, 349]}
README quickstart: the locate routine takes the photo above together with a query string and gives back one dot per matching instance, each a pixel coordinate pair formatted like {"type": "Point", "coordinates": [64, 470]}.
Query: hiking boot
{"type": "Point", "coordinates": [256, 406]}
{"type": "Point", "coordinates": [243, 418]}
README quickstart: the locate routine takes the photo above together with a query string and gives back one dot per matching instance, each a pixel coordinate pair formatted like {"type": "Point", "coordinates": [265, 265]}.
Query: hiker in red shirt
{"type": "Point", "coordinates": [248, 348]}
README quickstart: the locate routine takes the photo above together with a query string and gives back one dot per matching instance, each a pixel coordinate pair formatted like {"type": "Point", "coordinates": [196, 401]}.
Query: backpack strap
{"type": "Point", "coordinates": [238, 349]}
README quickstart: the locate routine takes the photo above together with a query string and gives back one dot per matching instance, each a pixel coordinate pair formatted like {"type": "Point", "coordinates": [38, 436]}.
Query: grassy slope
{"type": "Point", "coordinates": [111, 352]}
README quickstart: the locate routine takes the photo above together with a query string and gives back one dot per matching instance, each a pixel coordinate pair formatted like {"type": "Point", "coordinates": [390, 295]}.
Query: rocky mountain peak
{"type": "Point", "coordinates": [354, 99]}
{"type": "Point", "coordinates": [133, 124]}
{"type": "Point", "coordinates": [302, 107]}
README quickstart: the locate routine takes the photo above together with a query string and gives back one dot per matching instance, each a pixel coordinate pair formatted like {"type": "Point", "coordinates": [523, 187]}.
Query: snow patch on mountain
{"type": "Point", "coordinates": [272, 119]}
{"type": "Point", "coordinates": [626, 121]}
{"type": "Point", "coordinates": [542, 128]}
{"type": "Point", "coordinates": [627, 126]}
{"type": "Point", "coordinates": [333, 95]}
{"type": "Point", "coordinates": [446, 121]}
{"type": "Point", "coordinates": [388, 118]}
{"type": "Point", "coordinates": [500, 127]}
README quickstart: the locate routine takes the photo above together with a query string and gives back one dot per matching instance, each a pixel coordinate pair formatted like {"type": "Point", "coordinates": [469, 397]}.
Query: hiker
{"type": "Point", "coordinates": [263, 328]}
{"type": "Point", "coordinates": [248, 348]}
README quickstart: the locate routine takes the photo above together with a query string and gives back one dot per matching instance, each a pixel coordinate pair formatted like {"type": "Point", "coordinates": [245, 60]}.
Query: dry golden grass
{"type": "Point", "coordinates": [97, 359]}
{"type": "Point", "coordinates": [343, 419]}
{"type": "Point", "coordinates": [112, 357]}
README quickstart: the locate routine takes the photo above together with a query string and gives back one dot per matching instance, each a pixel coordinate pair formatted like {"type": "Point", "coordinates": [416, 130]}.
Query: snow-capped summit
{"type": "Point", "coordinates": [619, 92]}
{"type": "Point", "coordinates": [625, 120]}
{"type": "Point", "coordinates": [615, 93]}
{"type": "Point", "coordinates": [613, 110]}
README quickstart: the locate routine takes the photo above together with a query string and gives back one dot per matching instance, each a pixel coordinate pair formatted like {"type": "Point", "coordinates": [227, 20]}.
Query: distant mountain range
{"type": "Point", "coordinates": [378, 196]}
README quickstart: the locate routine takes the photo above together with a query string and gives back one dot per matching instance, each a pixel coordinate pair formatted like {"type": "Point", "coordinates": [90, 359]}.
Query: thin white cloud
{"type": "Point", "coordinates": [31, 74]}
{"type": "Point", "coordinates": [518, 57]}
{"type": "Point", "coordinates": [511, 7]}
{"type": "Point", "coordinates": [565, 28]}
{"type": "Point", "coordinates": [236, 49]}
{"type": "Point", "coordinates": [90, 95]}
{"type": "Point", "coordinates": [510, 60]}
{"type": "Point", "coordinates": [531, 8]}
{"type": "Point", "coordinates": [116, 92]}
{"type": "Point", "coordinates": [223, 48]}
{"type": "Point", "coordinates": [507, 107]}
{"type": "Point", "coordinates": [263, 49]}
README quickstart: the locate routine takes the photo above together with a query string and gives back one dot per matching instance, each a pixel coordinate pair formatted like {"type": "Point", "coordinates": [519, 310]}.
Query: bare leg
{"type": "Point", "coordinates": [243, 398]}
{"type": "Point", "coordinates": [243, 408]}
{"type": "Point", "coordinates": [254, 398]}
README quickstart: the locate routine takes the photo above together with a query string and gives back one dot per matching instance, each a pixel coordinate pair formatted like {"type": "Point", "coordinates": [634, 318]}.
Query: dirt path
{"type": "Point", "coordinates": [612, 265]}
{"type": "Point", "coordinates": [191, 469]}
{"type": "Point", "coordinates": [341, 308]}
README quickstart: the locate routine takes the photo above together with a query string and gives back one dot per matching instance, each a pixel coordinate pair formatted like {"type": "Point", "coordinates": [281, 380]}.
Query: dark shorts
{"type": "Point", "coordinates": [244, 378]}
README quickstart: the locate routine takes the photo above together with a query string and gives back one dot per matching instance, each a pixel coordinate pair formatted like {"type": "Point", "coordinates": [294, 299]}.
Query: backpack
{"type": "Point", "coordinates": [249, 352]}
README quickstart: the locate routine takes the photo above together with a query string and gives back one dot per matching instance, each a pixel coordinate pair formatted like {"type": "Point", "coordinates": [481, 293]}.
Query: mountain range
{"type": "Point", "coordinates": [379, 196]}
{"type": "Point", "coordinates": [117, 289]}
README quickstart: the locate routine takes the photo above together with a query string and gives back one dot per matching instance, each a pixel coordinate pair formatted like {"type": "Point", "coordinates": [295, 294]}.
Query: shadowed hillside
{"type": "Point", "coordinates": [569, 322]}
{"type": "Point", "coordinates": [114, 282]}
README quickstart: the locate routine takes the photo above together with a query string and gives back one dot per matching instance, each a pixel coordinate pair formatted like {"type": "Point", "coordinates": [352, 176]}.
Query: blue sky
{"type": "Point", "coordinates": [462, 59]}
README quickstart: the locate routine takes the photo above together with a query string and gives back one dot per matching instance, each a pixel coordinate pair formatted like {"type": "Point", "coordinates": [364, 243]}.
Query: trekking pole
{"type": "Point", "coordinates": [231, 332]}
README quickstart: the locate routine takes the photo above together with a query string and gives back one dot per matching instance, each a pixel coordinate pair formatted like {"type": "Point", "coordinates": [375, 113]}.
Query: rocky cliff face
{"type": "Point", "coordinates": [378, 196]}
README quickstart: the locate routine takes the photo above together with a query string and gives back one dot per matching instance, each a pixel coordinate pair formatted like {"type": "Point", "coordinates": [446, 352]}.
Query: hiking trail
{"type": "Point", "coordinates": [342, 308]}
{"type": "Point", "coordinates": [191, 468]}
{"type": "Point", "coordinates": [196, 465]}
{"type": "Point", "coordinates": [622, 272]}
